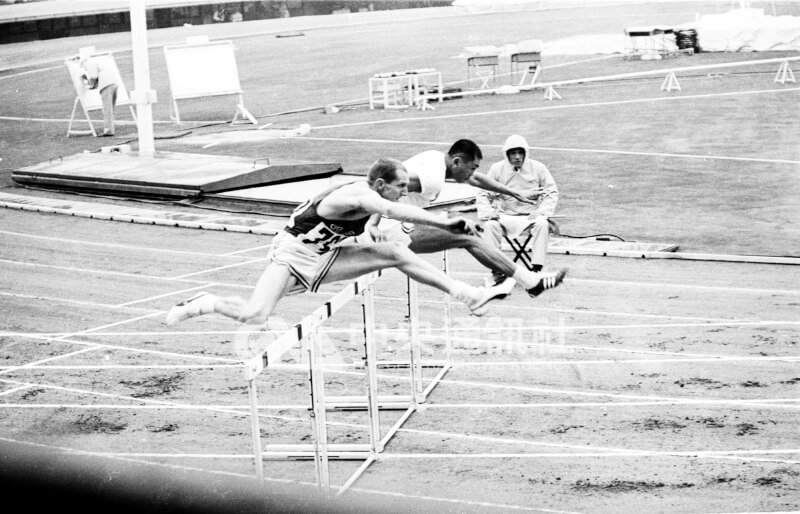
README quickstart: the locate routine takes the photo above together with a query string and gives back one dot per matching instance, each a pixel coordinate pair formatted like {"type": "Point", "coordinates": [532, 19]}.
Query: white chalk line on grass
{"type": "Point", "coordinates": [556, 149]}
{"type": "Point", "coordinates": [505, 112]}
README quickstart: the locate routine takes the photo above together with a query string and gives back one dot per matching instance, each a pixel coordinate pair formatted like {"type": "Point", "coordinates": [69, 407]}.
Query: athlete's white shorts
{"type": "Point", "coordinates": [306, 265]}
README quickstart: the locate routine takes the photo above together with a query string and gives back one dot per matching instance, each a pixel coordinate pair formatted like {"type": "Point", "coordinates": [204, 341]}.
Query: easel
{"type": "Point", "coordinates": [90, 99]}
{"type": "Point", "coordinates": [199, 69]}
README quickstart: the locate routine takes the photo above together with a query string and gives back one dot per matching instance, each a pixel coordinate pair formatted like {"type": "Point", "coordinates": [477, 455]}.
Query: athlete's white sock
{"type": "Point", "coordinates": [464, 293]}
{"type": "Point", "coordinates": [205, 304]}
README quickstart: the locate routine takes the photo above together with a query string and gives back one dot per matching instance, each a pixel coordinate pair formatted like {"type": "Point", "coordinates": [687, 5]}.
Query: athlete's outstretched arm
{"type": "Point", "coordinates": [482, 181]}
{"type": "Point", "coordinates": [373, 203]}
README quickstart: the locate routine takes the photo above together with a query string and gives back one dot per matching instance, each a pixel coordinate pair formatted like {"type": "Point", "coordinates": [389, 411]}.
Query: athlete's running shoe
{"type": "Point", "coordinates": [186, 309]}
{"type": "Point", "coordinates": [548, 280]}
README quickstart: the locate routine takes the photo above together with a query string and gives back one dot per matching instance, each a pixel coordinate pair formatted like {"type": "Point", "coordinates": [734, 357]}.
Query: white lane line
{"type": "Point", "coordinates": [248, 250]}
{"type": "Point", "coordinates": [102, 367]}
{"type": "Point", "coordinates": [765, 404]}
{"type": "Point", "coordinates": [16, 390]}
{"type": "Point", "coordinates": [576, 311]}
{"type": "Point", "coordinates": [725, 289]}
{"type": "Point", "coordinates": [722, 359]}
{"type": "Point", "coordinates": [73, 302]}
{"type": "Point", "coordinates": [687, 286]}
{"type": "Point", "coordinates": [165, 295]}
{"type": "Point", "coordinates": [123, 274]}
{"type": "Point", "coordinates": [219, 268]}
{"type": "Point", "coordinates": [101, 346]}
{"type": "Point", "coordinates": [638, 326]}
{"type": "Point", "coordinates": [149, 401]}
{"type": "Point", "coordinates": [83, 270]}
{"type": "Point", "coordinates": [637, 453]}
{"type": "Point", "coordinates": [117, 245]}
{"type": "Point", "coordinates": [602, 394]}
{"type": "Point", "coordinates": [21, 367]}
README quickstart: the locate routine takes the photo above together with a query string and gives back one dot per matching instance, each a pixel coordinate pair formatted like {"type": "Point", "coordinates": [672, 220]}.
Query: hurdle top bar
{"type": "Point", "coordinates": [256, 364]}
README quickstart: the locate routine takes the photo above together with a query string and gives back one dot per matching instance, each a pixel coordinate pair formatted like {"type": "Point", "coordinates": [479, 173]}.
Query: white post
{"type": "Point", "coordinates": [142, 96]}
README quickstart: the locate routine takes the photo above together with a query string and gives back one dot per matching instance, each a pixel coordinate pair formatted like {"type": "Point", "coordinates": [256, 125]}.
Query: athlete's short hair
{"type": "Point", "coordinates": [385, 168]}
{"type": "Point", "coordinates": [467, 148]}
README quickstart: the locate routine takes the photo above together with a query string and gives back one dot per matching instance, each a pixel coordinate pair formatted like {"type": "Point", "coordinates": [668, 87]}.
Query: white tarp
{"type": "Point", "coordinates": [747, 30]}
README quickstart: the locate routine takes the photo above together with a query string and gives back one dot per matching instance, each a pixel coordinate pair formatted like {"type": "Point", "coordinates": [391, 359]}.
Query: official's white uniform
{"type": "Point", "coordinates": [515, 216]}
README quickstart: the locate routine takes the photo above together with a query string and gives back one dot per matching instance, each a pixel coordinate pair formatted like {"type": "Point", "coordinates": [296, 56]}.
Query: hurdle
{"type": "Point", "coordinates": [308, 330]}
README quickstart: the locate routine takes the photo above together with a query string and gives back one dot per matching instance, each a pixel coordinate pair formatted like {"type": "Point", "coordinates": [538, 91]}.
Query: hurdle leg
{"type": "Point", "coordinates": [176, 117]}
{"type": "Point", "coordinates": [255, 428]}
{"type": "Point", "coordinates": [448, 334]}
{"type": "Point", "coordinates": [318, 417]}
{"type": "Point", "coordinates": [371, 368]}
{"type": "Point", "coordinates": [72, 117]}
{"type": "Point", "coordinates": [785, 74]}
{"type": "Point", "coordinates": [414, 342]}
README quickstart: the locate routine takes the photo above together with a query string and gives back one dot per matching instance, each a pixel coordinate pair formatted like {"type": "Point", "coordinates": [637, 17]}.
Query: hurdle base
{"type": "Point", "coordinates": [354, 403]}
{"type": "Point", "coordinates": [311, 455]}
{"type": "Point", "coordinates": [338, 451]}
{"type": "Point", "coordinates": [406, 364]}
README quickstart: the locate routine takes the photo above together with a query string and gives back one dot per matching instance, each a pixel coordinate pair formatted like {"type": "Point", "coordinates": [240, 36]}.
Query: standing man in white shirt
{"type": "Point", "coordinates": [99, 76]}
{"type": "Point", "coordinates": [427, 172]}
{"type": "Point", "coordinates": [508, 216]}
